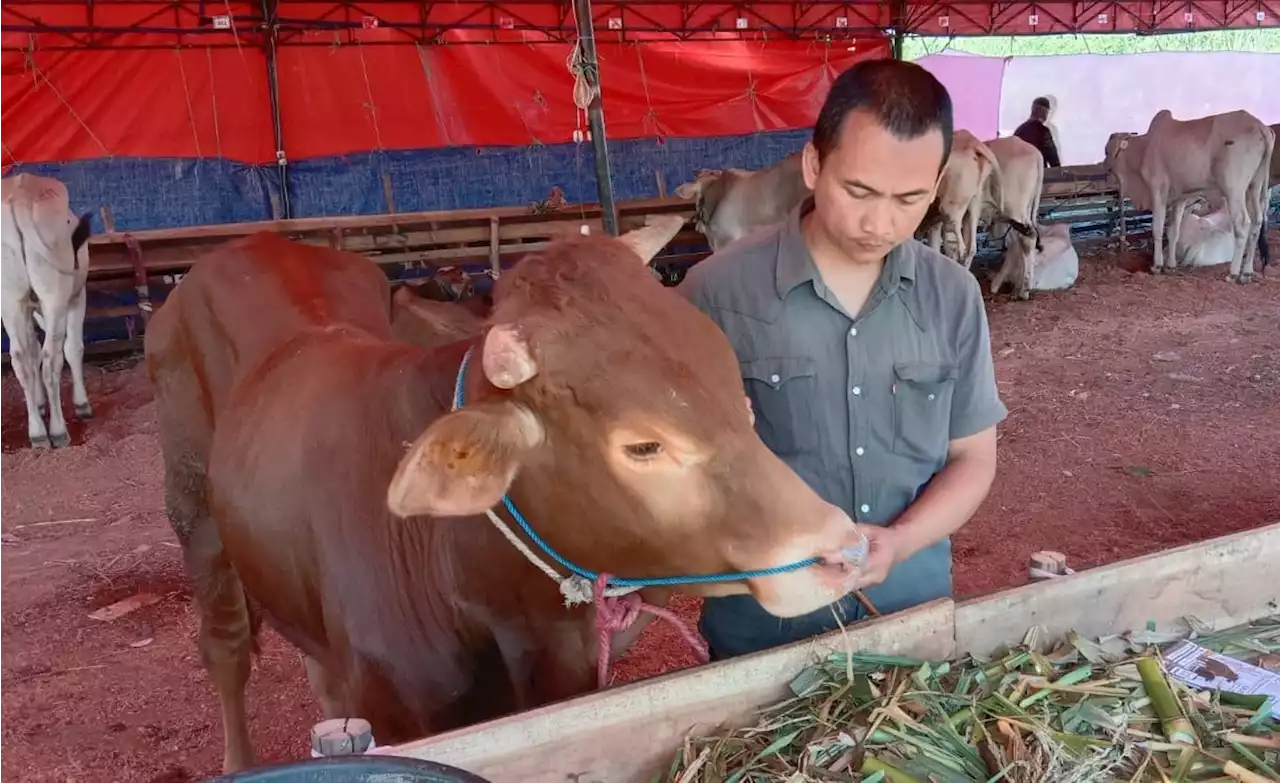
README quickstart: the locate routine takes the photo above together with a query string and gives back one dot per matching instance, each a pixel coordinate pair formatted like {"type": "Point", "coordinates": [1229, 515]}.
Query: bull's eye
{"type": "Point", "coordinates": [643, 451]}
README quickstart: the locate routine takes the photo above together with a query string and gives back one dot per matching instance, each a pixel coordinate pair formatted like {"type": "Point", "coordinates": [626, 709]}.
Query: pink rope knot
{"type": "Point", "coordinates": [617, 613]}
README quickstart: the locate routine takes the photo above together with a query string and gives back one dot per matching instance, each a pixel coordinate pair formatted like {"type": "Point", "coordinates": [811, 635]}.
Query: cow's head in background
{"type": "Point", "coordinates": [1123, 158]}
{"type": "Point", "coordinates": [594, 377]}
{"type": "Point", "coordinates": [706, 191]}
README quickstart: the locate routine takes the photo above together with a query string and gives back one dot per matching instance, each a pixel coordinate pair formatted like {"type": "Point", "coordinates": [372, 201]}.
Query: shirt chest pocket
{"type": "Point", "coordinates": [922, 409]}
{"type": "Point", "coordinates": [782, 394]}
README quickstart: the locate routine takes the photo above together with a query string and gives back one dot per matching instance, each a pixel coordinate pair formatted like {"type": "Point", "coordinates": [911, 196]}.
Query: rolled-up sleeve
{"type": "Point", "coordinates": [976, 404]}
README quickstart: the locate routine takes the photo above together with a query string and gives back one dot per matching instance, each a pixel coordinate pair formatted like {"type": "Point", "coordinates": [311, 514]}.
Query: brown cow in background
{"type": "Point", "coordinates": [314, 472]}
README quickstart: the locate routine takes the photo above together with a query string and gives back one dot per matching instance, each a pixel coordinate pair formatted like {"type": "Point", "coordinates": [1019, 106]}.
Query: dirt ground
{"type": "Point", "coordinates": [1143, 415]}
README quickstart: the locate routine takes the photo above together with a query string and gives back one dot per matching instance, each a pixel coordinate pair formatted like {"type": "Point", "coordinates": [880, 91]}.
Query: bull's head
{"type": "Point", "coordinates": [611, 411]}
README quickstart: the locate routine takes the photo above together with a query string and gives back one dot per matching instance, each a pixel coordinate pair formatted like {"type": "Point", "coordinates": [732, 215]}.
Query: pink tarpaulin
{"type": "Point", "coordinates": [1097, 95]}
{"type": "Point", "coordinates": [974, 83]}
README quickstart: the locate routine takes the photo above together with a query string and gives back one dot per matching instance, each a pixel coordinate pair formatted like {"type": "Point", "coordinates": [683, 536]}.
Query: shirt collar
{"type": "Point", "coordinates": [795, 263]}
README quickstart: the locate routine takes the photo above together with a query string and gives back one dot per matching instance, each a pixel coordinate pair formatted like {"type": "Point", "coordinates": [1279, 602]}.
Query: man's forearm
{"type": "Point", "coordinates": [951, 499]}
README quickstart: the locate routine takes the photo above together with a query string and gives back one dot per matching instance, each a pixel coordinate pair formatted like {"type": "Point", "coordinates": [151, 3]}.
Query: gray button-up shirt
{"type": "Point", "coordinates": [862, 406]}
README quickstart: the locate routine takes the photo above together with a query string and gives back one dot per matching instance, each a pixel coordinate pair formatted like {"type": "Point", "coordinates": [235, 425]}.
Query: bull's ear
{"type": "Point", "coordinates": [465, 461]}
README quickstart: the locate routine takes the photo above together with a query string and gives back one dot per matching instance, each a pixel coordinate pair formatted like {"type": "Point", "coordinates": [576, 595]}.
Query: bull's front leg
{"type": "Point", "coordinates": [935, 236]}
{"type": "Point", "coordinates": [970, 235]}
{"type": "Point", "coordinates": [1158, 206]}
{"type": "Point", "coordinates": [1180, 209]}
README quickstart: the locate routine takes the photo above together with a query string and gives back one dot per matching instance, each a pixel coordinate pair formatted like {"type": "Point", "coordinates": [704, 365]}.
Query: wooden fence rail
{"type": "Point", "coordinates": [131, 272]}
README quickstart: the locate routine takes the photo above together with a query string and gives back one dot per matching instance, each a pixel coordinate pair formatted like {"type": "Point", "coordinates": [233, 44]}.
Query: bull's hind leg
{"type": "Point", "coordinates": [226, 637]}
{"type": "Point", "coordinates": [51, 357]}
{"type": "Point", "coordinates": [227, 625]}
{"type": "Point", "coordinates": [25, 357]}
{"type": "Point", "coordinates": [73, 350]}
{"type": "Point", "coordinates": [327, 689]}
{"type": "Point", "coordinates": [1241, 231]}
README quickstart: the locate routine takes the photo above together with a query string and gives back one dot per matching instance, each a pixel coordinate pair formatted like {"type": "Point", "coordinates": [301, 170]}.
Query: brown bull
{"type": "Point", "coordinates": [315, 474]}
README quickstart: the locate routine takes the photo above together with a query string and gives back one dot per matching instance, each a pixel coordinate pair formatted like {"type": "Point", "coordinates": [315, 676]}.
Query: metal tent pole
{"type": "Point", "coordinates": [270, 11]}
{"type": "Point", "coordinates": [595, 116]}
{"type": "Point", "coordinates": [898, 17]}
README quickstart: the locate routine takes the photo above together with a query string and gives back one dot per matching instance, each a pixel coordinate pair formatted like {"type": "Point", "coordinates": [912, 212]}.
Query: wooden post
{"type": "Point", "coordinates": [662, 183]}
{"type": "Point", "coordinates": [1124, 223]}
{"type": "Point", "coordinates": [139, 278]}
{"type": "Point", "coordinates": [388, 193]}
{"type": "Point", "coordinates": [108, 220]}
{"type": "Point", "coordinates": [1046, 564]}
{"type": "Point", "coordinates": [495, 254]}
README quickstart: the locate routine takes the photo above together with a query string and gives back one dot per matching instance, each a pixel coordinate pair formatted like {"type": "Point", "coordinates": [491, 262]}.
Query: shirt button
{"type": "Point", "coordinates": [853, 332]}
{"type": "Point", "coordinates": [774, 378]}
{"type": "Point", "coordinates": [856, 390]}
{"type": "Point", "coordinates": [931, 396]}
{"type": "Point", "coordinates": [859, 451]}
{"type": "Point", "coordinates": [864, 508]}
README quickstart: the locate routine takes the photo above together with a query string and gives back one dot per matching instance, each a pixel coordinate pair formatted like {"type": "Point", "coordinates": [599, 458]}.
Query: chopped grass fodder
{"type": "Point", "coordinates": [1081, 711]}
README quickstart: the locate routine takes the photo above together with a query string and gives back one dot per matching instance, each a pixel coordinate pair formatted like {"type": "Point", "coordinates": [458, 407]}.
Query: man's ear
{"type": "Point", "coordinates": [464, 462]}
{"type": "Point", "coordinates": [810, 166]}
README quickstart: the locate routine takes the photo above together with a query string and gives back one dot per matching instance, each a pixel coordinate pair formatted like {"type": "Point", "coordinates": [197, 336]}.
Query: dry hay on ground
{"type": "Point", "coordinates": [1142, 416]}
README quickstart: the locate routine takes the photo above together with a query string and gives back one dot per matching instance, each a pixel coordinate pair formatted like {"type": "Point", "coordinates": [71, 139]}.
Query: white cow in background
{"type": "Point", "coordinates": [1230, 153]}
{"type": "Point", "coordinates": [46, 264]}
{"type": "Point", "coordinates": [1018, 204]}
{"type": "Point", "coordinates": [1202, 225]}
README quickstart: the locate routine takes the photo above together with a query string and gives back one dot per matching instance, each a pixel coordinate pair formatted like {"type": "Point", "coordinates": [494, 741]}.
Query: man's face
{"type": "Point", "coordinates": [873, 189]}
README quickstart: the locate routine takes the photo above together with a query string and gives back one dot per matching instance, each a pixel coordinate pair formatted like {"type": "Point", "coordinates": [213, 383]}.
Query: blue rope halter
{"type": "Point", "coordinates": [459, 399]}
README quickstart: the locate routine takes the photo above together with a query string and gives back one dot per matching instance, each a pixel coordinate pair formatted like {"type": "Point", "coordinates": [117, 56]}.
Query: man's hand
{"type": "Point", "coordinates": [950, 500]}
{"type": "Point", "coordinates": [883, 553]}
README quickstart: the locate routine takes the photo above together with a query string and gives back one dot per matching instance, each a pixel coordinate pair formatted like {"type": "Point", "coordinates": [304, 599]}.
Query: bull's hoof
{"type": "Point", "coordinates": [1024, 295]}
{"type": "Point", "coordinates": [60, 439]}
{"type": "Point", "coordinates": [1156, 270]}
{"type": "Point", "coordinates": [84, 412]}
{"type": "Point", "coordinates": [41, 442]}
{"type": "Point", "coordinates": [1245, 278]}
{"type": "Point", "coordinates": [1232, 278]}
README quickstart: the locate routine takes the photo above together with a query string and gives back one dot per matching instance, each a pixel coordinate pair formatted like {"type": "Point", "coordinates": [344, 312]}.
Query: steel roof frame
{"type": "Point", "coordinates": [149, 24]}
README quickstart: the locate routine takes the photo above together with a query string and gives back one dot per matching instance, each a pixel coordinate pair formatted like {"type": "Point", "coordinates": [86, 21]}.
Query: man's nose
{"type": "Point", "coordinates": [877, 219]}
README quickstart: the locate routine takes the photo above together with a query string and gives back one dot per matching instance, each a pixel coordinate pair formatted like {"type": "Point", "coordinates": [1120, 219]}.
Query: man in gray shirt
{"type": "Point", "coordinates": [865, 354]}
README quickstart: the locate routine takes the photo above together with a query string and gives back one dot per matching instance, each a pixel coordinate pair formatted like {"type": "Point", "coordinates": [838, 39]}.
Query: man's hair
{"type": "Point", "coordinates": [905, 99]}
{"type": "Point", "coordinates": [1042, 101]}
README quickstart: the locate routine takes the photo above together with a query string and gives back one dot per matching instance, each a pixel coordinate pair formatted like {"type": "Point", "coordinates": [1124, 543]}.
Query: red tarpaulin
{"type": "Point", "coordinates": [91, 79]}
{"type": "Point", "coordinates": [171, 103]}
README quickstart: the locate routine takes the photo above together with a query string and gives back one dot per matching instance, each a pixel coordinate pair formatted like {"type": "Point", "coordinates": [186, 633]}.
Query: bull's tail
{"type": "Point", "coordinates": [994, 184]}
{"type": "Point", "coordinates": [80, 234]}
{"type": "Point", "coordinates": [1035, 206]}
{"type": "Point", "coordinates": [1264, 199]}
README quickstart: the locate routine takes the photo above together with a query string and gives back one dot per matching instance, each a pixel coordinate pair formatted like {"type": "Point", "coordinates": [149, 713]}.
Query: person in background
{"type": "Point", "coordinates": [1035, 131]}
{"type": "Point", "coordinates": [865, 354]}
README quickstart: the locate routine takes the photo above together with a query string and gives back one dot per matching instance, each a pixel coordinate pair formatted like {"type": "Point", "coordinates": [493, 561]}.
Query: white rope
{"type": "Point", "coordinates": [573, 588]}
{"type": "Point", "coordinates": [40, 75]}
{"type": "Point", "coordinates": [213, 95]}
{"type": "Point", "coordinates": [191, 112]}
{"type": "Point", "coordinates": [368, 90]}
{"type": "Point", "coordinates": [584, 92]}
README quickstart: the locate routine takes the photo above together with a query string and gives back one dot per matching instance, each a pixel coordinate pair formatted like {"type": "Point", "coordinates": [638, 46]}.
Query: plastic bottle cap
{"type": "Point", "coordinates": [341, 737]}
